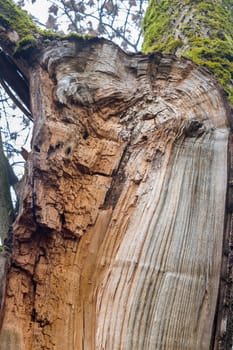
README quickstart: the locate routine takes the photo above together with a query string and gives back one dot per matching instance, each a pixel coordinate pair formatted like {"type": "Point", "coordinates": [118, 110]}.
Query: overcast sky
{"type": "Point", "coordinates": [39, 9]}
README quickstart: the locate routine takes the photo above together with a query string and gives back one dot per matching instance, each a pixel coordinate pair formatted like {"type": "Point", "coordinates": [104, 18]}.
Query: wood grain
{"type": "Point", "coordinates": [121, 225]}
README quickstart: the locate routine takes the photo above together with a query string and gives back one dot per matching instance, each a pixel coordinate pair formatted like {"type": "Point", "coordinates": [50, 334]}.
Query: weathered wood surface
{"type": "Point", "coordinates": [119, 240]}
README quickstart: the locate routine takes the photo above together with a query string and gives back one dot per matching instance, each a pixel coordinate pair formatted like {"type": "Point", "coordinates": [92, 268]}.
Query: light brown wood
{"type": "Point", "coordinates": [118, 244]}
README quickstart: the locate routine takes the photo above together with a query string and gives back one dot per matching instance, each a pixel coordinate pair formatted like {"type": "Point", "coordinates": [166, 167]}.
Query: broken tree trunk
{"type": "Point", "coordinates": [122, 229]}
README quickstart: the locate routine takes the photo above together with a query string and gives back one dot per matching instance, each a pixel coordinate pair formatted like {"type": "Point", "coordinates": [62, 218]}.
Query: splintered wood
{"type": "Point", "coordinates": [119, 239]}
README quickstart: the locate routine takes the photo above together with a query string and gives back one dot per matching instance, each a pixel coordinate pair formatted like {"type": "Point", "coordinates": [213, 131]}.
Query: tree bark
{"type": "Point", "coordinates": [124, 234]}
{"type": "Point", "coordinates": [119, 240]}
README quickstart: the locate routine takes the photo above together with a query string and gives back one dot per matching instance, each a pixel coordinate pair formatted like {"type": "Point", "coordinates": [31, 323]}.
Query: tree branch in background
{"type": "Point", "coordinates": [14, 83]}
{"type": "Point", "coordinates": [119, 21]}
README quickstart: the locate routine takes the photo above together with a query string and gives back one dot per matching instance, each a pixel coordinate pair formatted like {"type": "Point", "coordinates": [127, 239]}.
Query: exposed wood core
{"type": "Point", "coordinates": [119, 240]}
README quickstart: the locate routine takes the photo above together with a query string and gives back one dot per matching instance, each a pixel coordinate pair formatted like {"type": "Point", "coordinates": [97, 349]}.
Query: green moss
{"type": "Point", "coordinates": [14, 18]}
{"type": "Point", "coordinates": [208, 34]}
{"type": "Point", "coordinates": [26, 42]}
{"type": "Point", "coordinates": [74, 35]}
{"type": "Point", "coordinates": [173, 45]}
{"type": "Point", "coordinates": [204, 7]}
{"type": "Point", "coordinates": [168, 46]}
{"type": "Point", "coordinates": [155, 22]}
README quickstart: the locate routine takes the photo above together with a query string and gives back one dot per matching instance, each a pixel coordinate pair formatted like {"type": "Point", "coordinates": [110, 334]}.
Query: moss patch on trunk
{"type": "Point", "coordinates": [199, 30]}
{"type": "Point", "coordinates": [13, 18]}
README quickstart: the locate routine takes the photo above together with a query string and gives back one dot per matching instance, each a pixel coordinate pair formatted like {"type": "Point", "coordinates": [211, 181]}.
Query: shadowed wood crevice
{"type": "Point", "coordinates": [224, 320]}
{"type": "Point", "coordinates": [121, 224]}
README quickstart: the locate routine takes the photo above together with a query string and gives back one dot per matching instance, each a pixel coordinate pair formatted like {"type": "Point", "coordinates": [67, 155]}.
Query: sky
{"type": "Point", "coordinates": [39, 9]}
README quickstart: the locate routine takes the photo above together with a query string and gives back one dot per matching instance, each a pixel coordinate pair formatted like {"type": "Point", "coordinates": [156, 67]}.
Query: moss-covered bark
{"type": "Point", "coordinates": [16, 27]}
{"type": "Point", "coordinates": [199, 30]}
{"type": "Point", "coordinates": [18, 32]}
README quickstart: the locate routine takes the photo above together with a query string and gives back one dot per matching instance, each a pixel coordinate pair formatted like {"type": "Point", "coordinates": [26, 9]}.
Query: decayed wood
{"type": "Point", "coordinates": [118, 243]}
